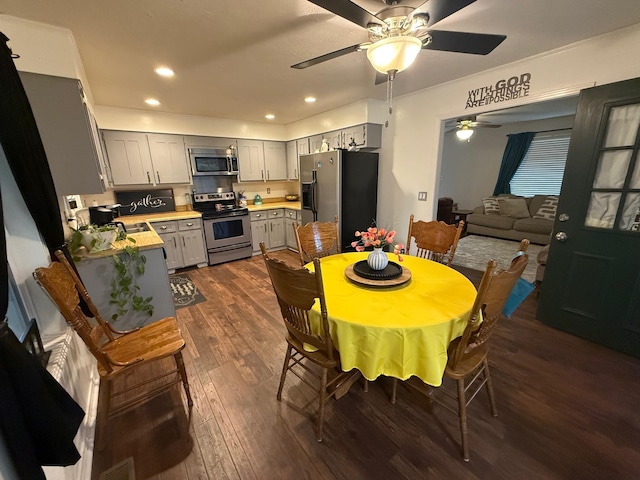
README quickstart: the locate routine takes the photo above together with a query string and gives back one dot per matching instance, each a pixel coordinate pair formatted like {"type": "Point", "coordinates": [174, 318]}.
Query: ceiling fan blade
{"type": "Point", "coordinates": [440, 9]}
{"type": "Point", "coordinates": [348, 10]}
{"type": "Point", "coordinates": [463, 42]}
{"type": "Point", "coordinates": [381, 78]}
{"type": "Point", "coordinates": [327, 56]}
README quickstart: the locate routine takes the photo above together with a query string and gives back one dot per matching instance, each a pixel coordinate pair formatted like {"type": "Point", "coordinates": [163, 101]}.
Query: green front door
{"type": "Point", "coordinates": [591, 284]}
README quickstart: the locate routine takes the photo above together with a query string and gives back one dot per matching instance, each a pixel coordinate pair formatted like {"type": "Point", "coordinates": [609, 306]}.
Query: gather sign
{"type": "Point", "coordinates": [146, 201]}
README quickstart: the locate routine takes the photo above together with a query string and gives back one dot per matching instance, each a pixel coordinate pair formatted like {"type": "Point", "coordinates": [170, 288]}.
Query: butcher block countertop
{"type": "Point", "coordinates": [271, 206]}
{"type": "Point", "coordinates": [152, 217]}
{"type": "Point", "coordinates": [143, 240]}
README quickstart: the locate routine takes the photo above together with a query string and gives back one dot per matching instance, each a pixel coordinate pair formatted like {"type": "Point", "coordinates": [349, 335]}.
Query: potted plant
{"type": "Point", "coordinates": [94, 238]}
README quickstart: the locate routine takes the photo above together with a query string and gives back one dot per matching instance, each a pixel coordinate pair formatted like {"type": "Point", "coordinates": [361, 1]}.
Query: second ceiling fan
{"type": "Point", "coordinates": [398, 33]}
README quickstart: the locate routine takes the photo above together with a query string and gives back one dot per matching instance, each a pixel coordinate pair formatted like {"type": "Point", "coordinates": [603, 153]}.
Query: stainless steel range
{"type": "Point", "coordinates": [227, 229]}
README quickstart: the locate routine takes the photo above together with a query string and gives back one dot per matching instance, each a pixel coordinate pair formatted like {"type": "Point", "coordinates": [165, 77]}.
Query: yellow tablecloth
{"type": "Point", "coordinates": [396, 331]}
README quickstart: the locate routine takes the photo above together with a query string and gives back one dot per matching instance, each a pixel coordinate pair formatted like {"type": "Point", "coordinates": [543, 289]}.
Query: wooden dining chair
{"type": "Point", "coordinates": [117, 353]}
{"type": "Point", "coordinates": [297, 290]}
{"type": "Point", "coordinates": [467, 355]}
{"type": "Point", "coordinates": [317, 240]}
{"type": "Point", "coordinates": [434, 240]}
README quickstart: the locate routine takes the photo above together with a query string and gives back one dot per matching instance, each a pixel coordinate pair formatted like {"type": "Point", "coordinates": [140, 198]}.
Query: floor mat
{"type": "Point", "coordinates": [185, 293]}
{"type": "Point", "coordinates": [474, 251]}
{"type": "Point", "coordinates": [123, 471]}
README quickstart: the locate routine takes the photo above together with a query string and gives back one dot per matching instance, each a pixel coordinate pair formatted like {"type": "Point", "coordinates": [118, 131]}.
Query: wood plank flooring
{"type": "Point", "coordinates": [567, 408]}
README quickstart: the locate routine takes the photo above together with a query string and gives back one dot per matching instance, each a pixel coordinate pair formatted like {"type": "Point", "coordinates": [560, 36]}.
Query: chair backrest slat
{"type": "Point", "coordinates": [434, 240]}
{"type": "Point", "coordinates": [317, 240]}
{"type": "Point", "coordinates": [297, 291]}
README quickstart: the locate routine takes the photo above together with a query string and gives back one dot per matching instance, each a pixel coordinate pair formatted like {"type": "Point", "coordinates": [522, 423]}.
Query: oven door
{"type": "Point", "coordinates": [223, 233]}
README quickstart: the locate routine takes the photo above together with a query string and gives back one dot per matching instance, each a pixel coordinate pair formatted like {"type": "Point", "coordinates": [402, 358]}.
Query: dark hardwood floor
{"type": "Point", "coordinates": [567, 408]}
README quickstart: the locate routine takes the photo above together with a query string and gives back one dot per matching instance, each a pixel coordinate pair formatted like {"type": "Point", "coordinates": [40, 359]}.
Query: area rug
{"type": "Point", "coordinates": [185, 293]}
{"type": "Point", "coordinates": [474, 251]}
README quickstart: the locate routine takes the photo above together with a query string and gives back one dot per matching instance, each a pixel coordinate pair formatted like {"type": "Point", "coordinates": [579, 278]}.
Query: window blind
{"type": "Point", "coordinates": [542, 168]}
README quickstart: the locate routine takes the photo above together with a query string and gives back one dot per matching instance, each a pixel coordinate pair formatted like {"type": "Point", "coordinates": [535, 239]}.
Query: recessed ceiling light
{"type": "Point", "coordinates": [152, 101]}
{"type": "Point", "coordinates": [270, 116]}
{"type": "Point", "coordinates": [164, 72]}
{"type": "Point", "coordinates": [310, 99]}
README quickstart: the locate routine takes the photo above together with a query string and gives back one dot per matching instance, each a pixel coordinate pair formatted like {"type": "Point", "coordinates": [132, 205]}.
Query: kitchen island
{"type": "Point", "coordinates": [97, 272]}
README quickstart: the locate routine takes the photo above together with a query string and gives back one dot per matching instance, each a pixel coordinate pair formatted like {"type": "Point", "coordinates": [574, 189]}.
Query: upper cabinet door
{"type": "Point", "coordinates": [275, 161]}
{"type": "Point", "coordinates": [251, 160]}
{"type": "Point", "coordinates": [292, 160]}
{"type": "Point", "coordinates": [129, 157]}
{"type": "Point", "coordinates": [334, 138]}
{"type": "Point", "coordinates": [168, 158]}
{"type": "Point", "coordinates": [303, 146]}
{"type": "Point", "coordinates": [315, 143]}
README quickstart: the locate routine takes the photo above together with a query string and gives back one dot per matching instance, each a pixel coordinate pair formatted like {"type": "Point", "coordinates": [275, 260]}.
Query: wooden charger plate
{"type": "Point", "coordinates": [404, 277]}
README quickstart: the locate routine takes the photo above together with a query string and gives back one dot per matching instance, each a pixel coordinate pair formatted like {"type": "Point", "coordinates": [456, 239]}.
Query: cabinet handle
{"type": "Point", "coordinates": [184, 244]}
{"type": "Point", "coordinates": [295, 173]}
{"type": "Point", "coordinates": [258, 215]}
{"type": "Point", "coordinates": [189, 224]}
{"type": "Point", "coordinates": [262, 174]}
{"type": "Point", "coordinates": [267, 174]}
{"type": "Point", "coordinates": [163, 227]}
{"type": "Point", "coordinates": [158, 173]}
{"type": "Point", "coordinates": [148, 177]}
{"type": "Point", "coordinates": [271, 227]}
{"type": "Point", "coordinates": [175, 245]}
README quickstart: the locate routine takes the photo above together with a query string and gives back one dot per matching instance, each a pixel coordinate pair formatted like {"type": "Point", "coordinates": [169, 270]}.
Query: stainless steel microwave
{"type": "Point", "coordinates": [213, 161]}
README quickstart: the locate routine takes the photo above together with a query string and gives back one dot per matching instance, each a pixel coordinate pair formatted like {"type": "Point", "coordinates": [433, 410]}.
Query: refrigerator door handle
{"type": "Point", "coordinates": [314, 191]}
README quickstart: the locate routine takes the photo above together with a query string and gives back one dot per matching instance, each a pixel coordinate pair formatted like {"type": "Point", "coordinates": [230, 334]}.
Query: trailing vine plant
{"type": "Point", "coordinates": [125, 291]}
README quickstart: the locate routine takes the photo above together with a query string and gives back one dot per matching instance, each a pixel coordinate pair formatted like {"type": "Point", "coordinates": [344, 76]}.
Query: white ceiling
{"type": "Point", "coordinates": [232, 59]}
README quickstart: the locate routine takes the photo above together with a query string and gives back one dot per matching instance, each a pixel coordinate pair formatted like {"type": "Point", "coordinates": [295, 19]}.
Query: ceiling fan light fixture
{"type": "Point", "coordinates": [464, 133]}
{"type": "Point", "coordinates": [394, 53]}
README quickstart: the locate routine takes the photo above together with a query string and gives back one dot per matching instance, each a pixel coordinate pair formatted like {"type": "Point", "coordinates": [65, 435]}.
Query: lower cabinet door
{"type": "Point", "coordinates": [277, 236]}
{"type": "Point", "coordinates": [173, 249]}
{"type": "Point", "coordinates": [259, 234]}
{"type": "Point", "coordinates": [290, 234]}
{"type": "Point", "coordinates": [193, 251]}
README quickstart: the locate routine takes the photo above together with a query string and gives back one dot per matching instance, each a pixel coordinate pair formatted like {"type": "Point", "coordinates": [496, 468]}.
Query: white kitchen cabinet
{"type": "Point", "coordinates": [138, 158]}
{"type": "Point", "coordinates": [334, 138]}
{"type": "Point", "coordinates": [67, 134]}
{"type": "Point", "coordinates": [275, 161]}
{"type": "Point", "coordinates": [293, 162]}
{"type": "Point", "coordinates": [315, 143]}
{"type": "Point", "coordinates": [268, 226]}
{"type": "Point", "coordinates": [250, 160]}
{"type": "Point", "coordinates": [303, 146]}
{"type": "Point", "coordinates": [367, 135]}
{"type": "Point", "coordinates": [261, 160]}
{"type": "Point", "coordinates": [183, 242]}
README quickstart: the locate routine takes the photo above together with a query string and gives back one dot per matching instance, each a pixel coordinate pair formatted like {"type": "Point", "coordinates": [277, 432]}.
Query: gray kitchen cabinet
{"type": "Point", "coordinates": [268, 226]}
{"type": "Point", "coordinates": [366, 136]}
{"type": "Point", "coordinates": [97, 274]}
{"type": "Point", "coordinates": [291, 219]}
{"type": "Point", "coordinates": [198, 141]}
{"type": "Point", "coordinates": [303, 146]}
{"type": "Point", "coordinates": [67, 134]}
{"type": "Point", "coordinates": [250, 160]}
{"type": "Point", "coordinates": [315, 143]}
{"type": "Point", "coordinates": [293, 165]}
{"type": "Point", "coordinates": [334, 138]}
{"type": "Point", "coordinates": [261, 160]}
{"type": "Point", "coordinates": [138, 158]}
{"type": "Point", "coordinates": [183, 242]}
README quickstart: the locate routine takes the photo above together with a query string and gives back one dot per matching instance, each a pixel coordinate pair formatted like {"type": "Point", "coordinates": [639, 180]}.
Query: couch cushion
{"type": "Point", "coordinates": [533, 225]}
{"type": "Point", "coordinates": [514, 207]}
{"type": "Point", "coordinates": [548, 209]}
{"type": "Point", "coordinates": [535, 203]}
{"type": "Point", "coordinates": [491, 206]}
{"type": "Point", "coordinates": [493, 221]}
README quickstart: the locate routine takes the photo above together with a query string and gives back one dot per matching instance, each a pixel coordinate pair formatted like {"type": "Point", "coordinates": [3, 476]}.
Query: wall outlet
{"type": "Point", "coordinates": [422, 196]}
{"type": "Point", "coordinates": [268, 190]}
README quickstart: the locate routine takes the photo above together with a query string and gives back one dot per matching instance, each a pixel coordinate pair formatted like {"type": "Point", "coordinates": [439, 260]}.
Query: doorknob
{"type": "Point", "coordinates": [561, 237]}
{"type": "Point", "coordinates": [563, 217]}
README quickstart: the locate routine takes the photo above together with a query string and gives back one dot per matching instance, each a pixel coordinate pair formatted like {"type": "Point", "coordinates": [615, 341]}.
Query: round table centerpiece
{"type": "Point", "coordinates": [378, 238]}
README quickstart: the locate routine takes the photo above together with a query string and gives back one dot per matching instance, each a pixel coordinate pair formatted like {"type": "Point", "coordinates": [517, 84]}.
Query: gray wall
{"type": "Point", "coordinates": [469, 169]}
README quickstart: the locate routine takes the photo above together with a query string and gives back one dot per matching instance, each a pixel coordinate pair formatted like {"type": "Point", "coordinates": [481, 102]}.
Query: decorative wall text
{"type": "Point", "coordinates": [503, 90]}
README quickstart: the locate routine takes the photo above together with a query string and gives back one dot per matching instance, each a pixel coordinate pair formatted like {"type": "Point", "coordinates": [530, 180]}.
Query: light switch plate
{"type": "Point", "coordinates": [422, 196]}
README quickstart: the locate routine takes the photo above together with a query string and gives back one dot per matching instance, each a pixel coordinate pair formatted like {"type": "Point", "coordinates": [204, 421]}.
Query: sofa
{"type": "Point", "coordinates": [513, 218]}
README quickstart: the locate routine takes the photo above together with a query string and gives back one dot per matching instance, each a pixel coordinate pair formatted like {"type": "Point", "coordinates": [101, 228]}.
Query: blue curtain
{"type": "Point", "coordinates": [514, 152]}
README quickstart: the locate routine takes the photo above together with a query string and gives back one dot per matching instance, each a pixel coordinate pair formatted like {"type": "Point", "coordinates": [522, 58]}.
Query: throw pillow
{"type": "Point", "coordinates": [514, 207]}
{"type": "Point", "coordinates": [547, 210]}
{"type": "Point", "coordinates": [491, 206]}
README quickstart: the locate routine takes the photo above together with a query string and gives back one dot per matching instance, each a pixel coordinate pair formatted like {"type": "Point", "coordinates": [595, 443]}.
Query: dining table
{"type": "Point", "coordinates": [400, 330]}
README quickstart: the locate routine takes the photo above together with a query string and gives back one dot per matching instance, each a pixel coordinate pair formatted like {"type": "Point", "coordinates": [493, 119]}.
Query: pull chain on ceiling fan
{"type": "Point", "coordinates": [398, 33]}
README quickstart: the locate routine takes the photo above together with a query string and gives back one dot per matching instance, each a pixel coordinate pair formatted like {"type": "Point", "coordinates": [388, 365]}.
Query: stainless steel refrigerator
{"type": "Point", "coordinates": [340, 183]}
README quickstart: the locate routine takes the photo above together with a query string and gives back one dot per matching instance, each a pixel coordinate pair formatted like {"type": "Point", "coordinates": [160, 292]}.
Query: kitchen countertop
{"type": "Point", "coordinates": [143, 240]}
{"type": "Point", "coordinates": [184, 215]}
{"type": "Point", "coordinates": [271, 206]}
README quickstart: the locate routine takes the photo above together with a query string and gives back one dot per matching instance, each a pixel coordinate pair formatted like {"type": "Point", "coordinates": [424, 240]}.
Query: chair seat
{"type": "Point", "coordinates": [152, 342]}
{"type": "Point", "coordinates": [318, 357]}
{"type": "Point", "coordinates": [468, 363]}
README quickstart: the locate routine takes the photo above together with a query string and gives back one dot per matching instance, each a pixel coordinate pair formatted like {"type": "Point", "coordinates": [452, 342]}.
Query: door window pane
{"type": "Point", "coordinates": [602, 209]}
{"type": "Point", "coordinates": [631, 213]}
{"type": "Point", "coordinates": [622, 126]}
{"type": "Point", "coordinates": [612, 169]}
{"type": "Point", "coordinates": [635, 179]}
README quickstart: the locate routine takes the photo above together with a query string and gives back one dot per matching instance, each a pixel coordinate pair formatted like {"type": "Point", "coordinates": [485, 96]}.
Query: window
{"type": "Point", "coordinates": [542, 168]}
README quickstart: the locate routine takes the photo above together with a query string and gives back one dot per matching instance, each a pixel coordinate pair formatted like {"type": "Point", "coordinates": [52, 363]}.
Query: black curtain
{"type": "Point", "coordinates": [38, 419]}
{"type": "Point", "coordinates": [514, 152]}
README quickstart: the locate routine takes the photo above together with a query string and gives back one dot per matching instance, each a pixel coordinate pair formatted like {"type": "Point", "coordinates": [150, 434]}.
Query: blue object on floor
{"type": "Point", "coordinates": [520, 291]}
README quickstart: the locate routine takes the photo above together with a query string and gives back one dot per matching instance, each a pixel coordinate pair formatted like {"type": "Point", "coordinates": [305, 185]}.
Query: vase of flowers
{"type": "Point", "coordinates": [378, 238]}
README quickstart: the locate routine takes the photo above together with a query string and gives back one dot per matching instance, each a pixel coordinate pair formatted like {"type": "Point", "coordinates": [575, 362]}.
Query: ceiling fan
{"type": "Point", "coordinates": [398, 33]}
{"type": "Point", "coordinates": [464, 126]}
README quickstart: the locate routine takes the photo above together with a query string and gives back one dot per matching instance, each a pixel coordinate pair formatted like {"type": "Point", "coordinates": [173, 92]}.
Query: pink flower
{"type": "Point", "coordinates": [378, 238]}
